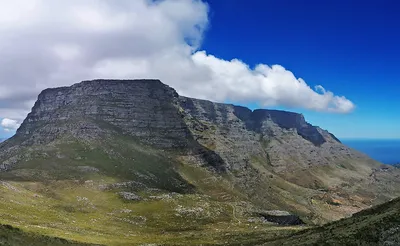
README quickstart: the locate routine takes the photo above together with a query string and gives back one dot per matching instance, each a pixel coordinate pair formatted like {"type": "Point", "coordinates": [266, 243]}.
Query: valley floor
{"type": "Point", "coordinates": [83, 213]}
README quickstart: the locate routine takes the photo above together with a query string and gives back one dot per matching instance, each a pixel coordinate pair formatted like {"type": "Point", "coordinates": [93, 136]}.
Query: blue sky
{"type": "Point", "coordinates": [350, 47]}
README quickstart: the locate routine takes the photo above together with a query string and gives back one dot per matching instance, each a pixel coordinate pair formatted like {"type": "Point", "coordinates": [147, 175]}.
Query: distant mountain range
{"type": "Point", "coordinates": [122, 162]}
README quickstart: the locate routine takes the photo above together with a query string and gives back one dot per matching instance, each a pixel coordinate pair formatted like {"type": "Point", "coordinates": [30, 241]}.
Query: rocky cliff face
{"type": "Point", "coordinates": [283, 139]}
{"type": "Point", "coordinates": [273, 159]}
{"type": "Point", "coordinates": [143, 108]}
{"type": "Point", "coordinates": [150, 110]}
{"type": "Point", "coordinates": [157, 115]}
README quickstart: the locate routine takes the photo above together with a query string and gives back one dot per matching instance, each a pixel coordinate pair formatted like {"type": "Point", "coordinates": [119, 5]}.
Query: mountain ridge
{"type": "Point", "coordinates": [275, 115]}
{"type": "Point", "coordinates": [142, 139]}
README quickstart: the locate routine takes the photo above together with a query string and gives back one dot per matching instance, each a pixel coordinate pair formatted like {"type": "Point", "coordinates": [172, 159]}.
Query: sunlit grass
{"type": "Point", "coordinates": [85, 213]}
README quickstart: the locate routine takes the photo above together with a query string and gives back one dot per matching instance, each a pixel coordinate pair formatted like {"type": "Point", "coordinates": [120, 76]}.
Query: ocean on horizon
{"type": "Point", "coordinates": [383, 150]}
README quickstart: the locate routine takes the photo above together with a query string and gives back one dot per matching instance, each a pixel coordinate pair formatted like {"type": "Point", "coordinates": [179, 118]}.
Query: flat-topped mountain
{"type": "Point", "coordinates": [136, 137]}
{"type": "Point", "coordinates": [145, 107]}
{"type": "Point", "coordinates": [156, 114]}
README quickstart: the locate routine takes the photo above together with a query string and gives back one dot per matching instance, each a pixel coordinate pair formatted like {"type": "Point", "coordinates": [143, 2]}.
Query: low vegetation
{"type": "Point", "coordinates": [379, 225]}
{"type": "Point", "coordinates": [75, 194]}
{"type": "Point", "coordinates": [85, 213]}
{"type": "Point", "coordinates": [16, 237]}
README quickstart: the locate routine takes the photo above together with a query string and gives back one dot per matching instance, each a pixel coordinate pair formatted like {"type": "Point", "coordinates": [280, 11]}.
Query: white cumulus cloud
{"type": "Point", "coordinates": [46, 43]}
{"type": "Point", "coordinates": [9, 124]}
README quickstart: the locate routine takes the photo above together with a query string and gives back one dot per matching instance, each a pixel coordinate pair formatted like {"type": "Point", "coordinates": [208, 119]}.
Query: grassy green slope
{"type": "Point", "coordinates": [69, 189]}
{"type": "Point", "coordinates": [15, 237]}
{"type": "Point", "coordinates": [118, 157]}
{"type": "Point", "coordinates": [85, 213]}
{"type": "Point", "coordinates": [379, 225]}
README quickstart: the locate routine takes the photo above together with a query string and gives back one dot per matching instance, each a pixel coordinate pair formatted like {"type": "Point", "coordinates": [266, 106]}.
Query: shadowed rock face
{"type": "Point", "coordinates": [284, 119]}
{"type": "Point", "coordinates": [281, 218]}
{"type": "Point", "coordinates": [255, 119]}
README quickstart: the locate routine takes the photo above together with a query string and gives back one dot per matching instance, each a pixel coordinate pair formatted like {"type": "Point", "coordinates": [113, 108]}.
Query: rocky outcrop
{"type": "Point", "coordinates": [285, 120]}
{"type": "Point", "coordinates": [129, 196]}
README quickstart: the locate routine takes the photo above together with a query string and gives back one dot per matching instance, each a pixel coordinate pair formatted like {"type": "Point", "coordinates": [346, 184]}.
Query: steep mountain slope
{"type": "Point", "coordinates": [297, 166]}
{"type": "Point", "coordinates": [124, 162]}
{"type": "Point", "coordinates": [379, 225]}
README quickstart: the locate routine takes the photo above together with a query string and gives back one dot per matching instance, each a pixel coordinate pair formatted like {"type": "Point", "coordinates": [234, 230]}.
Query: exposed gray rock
{"type": "Point", "coordinates": [134, 185]}
{"type": "Point", "coordinates": [285, 139]}
{"type": "Point", "coordinates": [129, 196]}
{"type": "Point", "coordinates": [141, 108]}
{"type": "Point", "coordinates": [88, 169]}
